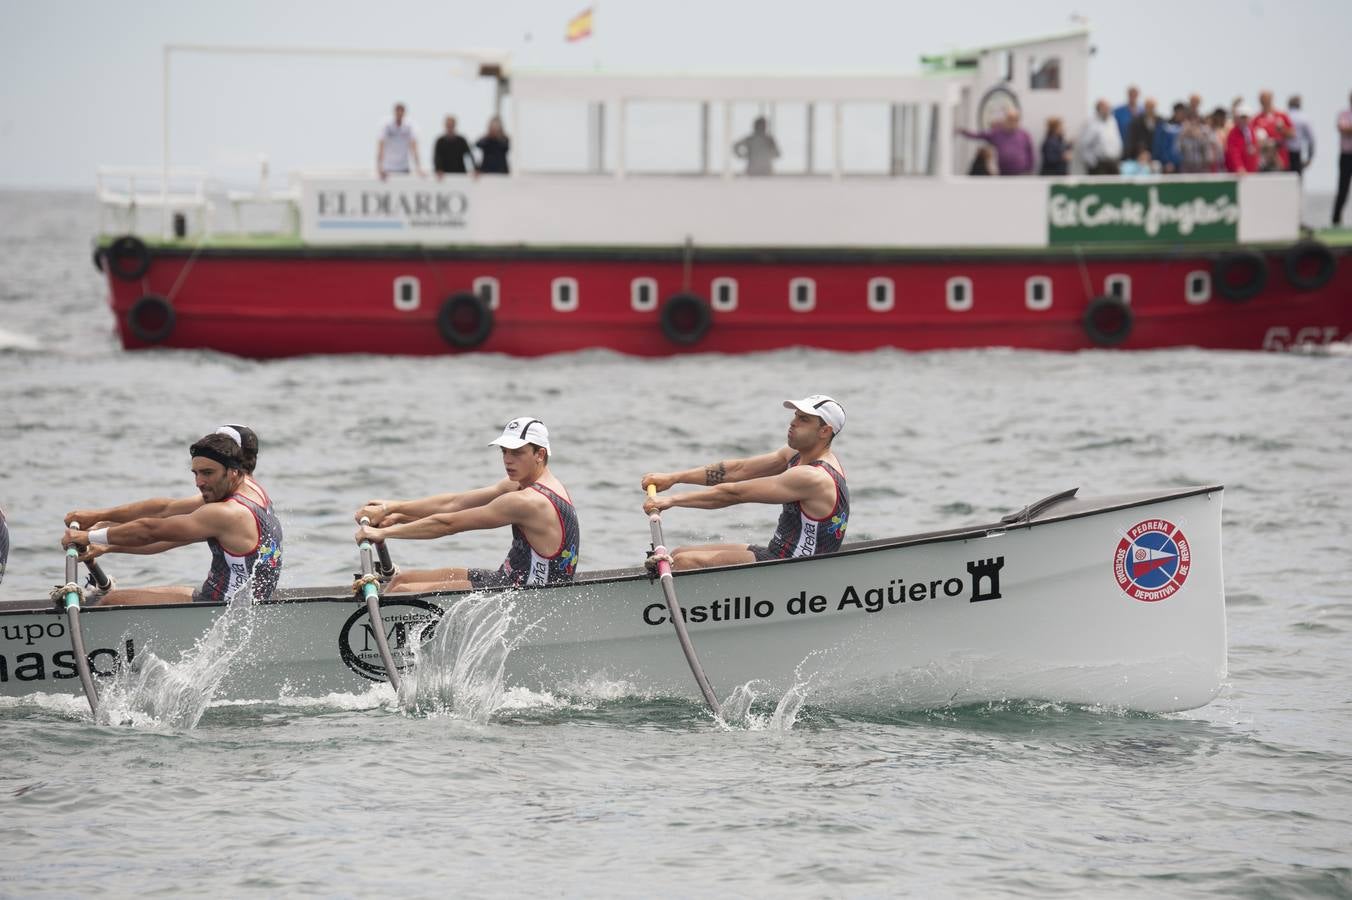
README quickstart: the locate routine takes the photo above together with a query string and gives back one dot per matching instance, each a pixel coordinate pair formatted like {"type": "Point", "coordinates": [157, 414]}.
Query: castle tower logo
{"type": "Point", "coordinates": [1152, 560]}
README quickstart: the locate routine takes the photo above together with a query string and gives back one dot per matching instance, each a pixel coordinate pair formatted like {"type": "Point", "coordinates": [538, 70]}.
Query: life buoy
{"type": "Point", "coordinates": [1107, 321]}
{"type": "Point", "coordinates": [1240, 276]}
{"type": "Point", "coordinates": [1309, 265]}
{"type": "Point", "coordinates": [465, 320]}
{"type": "Point", "coordinates": [151, 318]}
{"type": "Point", "coordinates": [685, 318]}
{"type": "Point", "coordinates": [128, 257]}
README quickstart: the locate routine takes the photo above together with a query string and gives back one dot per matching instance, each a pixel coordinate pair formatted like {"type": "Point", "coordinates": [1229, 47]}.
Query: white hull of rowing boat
{"type": "Point", "coordinates": [1048, 609]}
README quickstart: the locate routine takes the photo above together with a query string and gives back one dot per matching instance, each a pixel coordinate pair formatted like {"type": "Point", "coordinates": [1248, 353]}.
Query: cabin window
{"type": "Point", "coordinates": [643, 294]}
{"type": "Point", "coordinates": [881, 294]}
{"type": "Point", "coordinates": [724, 292]}
{"type": "Point", "coordinates": [487, 288]}
{"type": "Point", "coordinates": [1118, 286]}
{"type": "Point", "coordinates": [1198, 286]}
{"type": "Point", "coordinates": [563, 294]}
{"type": "Point", "coordinates": [1037, 293]}
{"type": "Point", "coordinates": [802, 294]}
{"type": "Point", "coordinates": [1044, 73]}
{"type": "Point", "coordinates": [407, 293]}
{"type": "Point", "coordinates": [958, 293]}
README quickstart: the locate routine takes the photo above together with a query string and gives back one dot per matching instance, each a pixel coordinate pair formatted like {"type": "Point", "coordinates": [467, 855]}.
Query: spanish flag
{"type": "Point", "coordinates": [580, 26]}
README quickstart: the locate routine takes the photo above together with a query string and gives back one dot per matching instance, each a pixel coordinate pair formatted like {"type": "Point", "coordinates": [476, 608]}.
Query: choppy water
{"type": "Point", "coordinates": [592, 791]}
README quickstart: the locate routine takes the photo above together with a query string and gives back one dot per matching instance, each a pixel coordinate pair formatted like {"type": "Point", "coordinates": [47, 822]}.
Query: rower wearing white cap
{"type": "Point", "coordinates": [545, 533]}
{"type": "Point", "coordinates": [804, 476]}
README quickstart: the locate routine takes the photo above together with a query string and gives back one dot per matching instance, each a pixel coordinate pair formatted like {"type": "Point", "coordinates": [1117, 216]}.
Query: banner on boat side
{"type": "Point", "coordinates": [1152, 560]}
{"type": "Point", "coordinates": [401, 620]}
{"type": "Point", "coordinates": [1195, 211]}
{"type": "Point", "coordinates": [400, 210]}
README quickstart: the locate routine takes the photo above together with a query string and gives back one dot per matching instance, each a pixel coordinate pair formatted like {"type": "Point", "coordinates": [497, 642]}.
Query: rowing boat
{"type": "Point", "coordinates": [1115, 601]}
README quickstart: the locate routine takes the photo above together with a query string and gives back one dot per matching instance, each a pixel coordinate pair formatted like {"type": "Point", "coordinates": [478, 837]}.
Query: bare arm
{"type": "Point", "coordinates": [156, 507]}
{"type": "Point", "coordinates": [795, 485]}
{"type": "Point", "coordinates": [212, 520]}
{"type": "Point", "coordinates": [723, 471]}
{"type": "Point", "coordinates": [505, 510]}
{"type": "Point", "coordinates": [377, 510]}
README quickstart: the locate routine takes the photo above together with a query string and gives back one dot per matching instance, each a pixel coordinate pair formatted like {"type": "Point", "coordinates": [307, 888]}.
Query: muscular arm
{"type": "Point", "coordinates": [377, 510]}
{"type": "Point", "coordinates": [233, 527]}
{"type": "Point", "coordinates": [156, 507]}
{"type": "Point", "coordinates": [796, 485]}
{"type": "Point", "coordinates": [507, 509]}
{"type": "Point", "coordinates": [731, 470]}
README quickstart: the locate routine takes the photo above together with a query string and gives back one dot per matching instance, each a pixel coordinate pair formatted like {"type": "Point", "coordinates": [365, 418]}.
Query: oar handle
{"type": "Point", "coordinates": [101, 579]}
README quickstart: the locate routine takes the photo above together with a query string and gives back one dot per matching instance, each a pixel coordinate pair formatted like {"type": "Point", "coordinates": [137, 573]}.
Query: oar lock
{"type": "Point", "coordinates": [59, 593]}
{"type": "Point", "coordinates": [361, 581]}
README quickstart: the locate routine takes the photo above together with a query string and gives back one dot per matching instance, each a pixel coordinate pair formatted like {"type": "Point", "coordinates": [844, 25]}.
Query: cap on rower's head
{"type": "Point", "coordinates": [521, 431]}
{"type": "Point", "coordinates": [825, 408]}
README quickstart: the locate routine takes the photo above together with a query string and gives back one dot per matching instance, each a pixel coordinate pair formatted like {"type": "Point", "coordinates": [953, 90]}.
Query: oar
{"type": "Point", "coordinates": [386, 567]}
{"type": "Point", "coordinates": [674, 608]}
{"type": "Point", "coordinates": [372, 594]}
{"type": "Point", "coordinates": [101, 579]}
{"type": "Point", "coordinates": [72, 594]}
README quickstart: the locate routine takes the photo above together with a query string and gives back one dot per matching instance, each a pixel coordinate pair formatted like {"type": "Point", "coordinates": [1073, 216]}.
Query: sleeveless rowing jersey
{"type": "Point", "coordinates": [798, 534]}
{"type": "Point", "coordinates": [263, 563]}
{"type": "Point", "coordinates": [524, 567]}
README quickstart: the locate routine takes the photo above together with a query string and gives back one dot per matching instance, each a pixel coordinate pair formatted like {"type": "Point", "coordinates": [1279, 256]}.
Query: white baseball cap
{"type": "Point", "coordinates": [824, 407]}
{"type": "Point", "coordinates": [1242, 110]}
{"type": "Point", "coordinates": [521, 431]}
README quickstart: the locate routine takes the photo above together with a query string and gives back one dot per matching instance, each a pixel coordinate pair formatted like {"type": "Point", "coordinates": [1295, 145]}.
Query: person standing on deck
{"type": "Point", "coordinates": [758, 149]}
{"type": "Point", "coordinates": [805, 476]}
{"type": "Point", "coordinates": [236, 520]}
{"type": "Point", "coordinates": [1014, 153]}
{"type": "Point", "coordinates": [545, 531]}
{"type": "Point", "coordinates": [397, 149]}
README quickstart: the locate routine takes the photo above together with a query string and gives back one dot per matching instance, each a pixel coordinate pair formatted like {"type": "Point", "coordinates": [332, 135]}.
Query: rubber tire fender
{"type": "Point", "coordinates": [1314, 251]}
{"type": "Point", "coordinates": [152, 304]}
{"type": "Point", "coordinates": [685, 318]}
{"type": "Point", "coordinates": [1227, 263]}
{"type": "Point", "coordinates": [1098, 332]}
{"type": "Point", "coordinates": [450, 320]}
{"type": "Point", "coordinates": [128, 257]}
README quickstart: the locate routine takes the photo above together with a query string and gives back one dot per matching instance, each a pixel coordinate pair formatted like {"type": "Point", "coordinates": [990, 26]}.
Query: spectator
{"type": "Point", "coordinates": [1013, 146]}
{"type": "Point", "coordinates": [493, 149]}
{"type": "Point", "coordinates": [1196, 147]}
{"type": "Point", "coordinates": [1055, 149]}
{"type": "Point", "coordinates": [1141, 165]}
{"type": "Point", "coordinates": [758, 149]}
{"type": "Point", "coordinates": [1273, 128]}
{"type": "Point", "coordinates": [1101, 142]}
{"type": "Point", "coordinates": [1164, 149]}
{"type": "Point", "coordinates": [451, 151]}
{"type": "Point", "coordinates": [1241, 144]}
{"type": "Point", "coordinates": [1218, 129]}
{"type": "Point", "coordinates": [1300, 146]}
{"type": "Point", "coordinates": [1195, 105]}
{"type": "Point", "coordinates": [982, 163]}
{"type": "Point", "coordinates": [397, 147]}
{"type": "Point", "coordinates": [1127, 112]}
{"type": "Point", "coordinates": [1344, 162]}
{"type": "Point", "coordinates": [1141, 134]}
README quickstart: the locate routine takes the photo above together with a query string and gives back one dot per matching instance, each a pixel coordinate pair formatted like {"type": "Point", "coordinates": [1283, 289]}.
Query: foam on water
{"type": "Point", "coordinates": [458, 671]}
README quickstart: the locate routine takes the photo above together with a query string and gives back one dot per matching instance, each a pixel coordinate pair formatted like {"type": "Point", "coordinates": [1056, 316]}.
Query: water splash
{"type": "Point", "coordinates": [153, 692]}
{"type": "Point", "coordinates": [459, 670]}
{"type": "Point", "coordinates": [740, 709]}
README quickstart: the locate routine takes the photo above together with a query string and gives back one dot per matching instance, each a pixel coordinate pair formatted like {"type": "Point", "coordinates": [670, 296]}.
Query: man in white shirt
{"type": "Point", "coordinates": [1300, 143]}
{"type": "Point", "coordinates": [397, 150]}
{"type": "Point", "coordinates": [1101, 142]}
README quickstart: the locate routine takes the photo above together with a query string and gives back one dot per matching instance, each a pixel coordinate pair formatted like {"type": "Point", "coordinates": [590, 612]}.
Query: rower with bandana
{"type": "Point", "coordinates": [545, 532]}
{"type": "Point", "coordinates": [235, 518]}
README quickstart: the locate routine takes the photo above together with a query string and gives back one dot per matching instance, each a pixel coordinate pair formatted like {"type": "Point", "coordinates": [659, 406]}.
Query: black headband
{"type": "Point", "coordinates": [215, 456]}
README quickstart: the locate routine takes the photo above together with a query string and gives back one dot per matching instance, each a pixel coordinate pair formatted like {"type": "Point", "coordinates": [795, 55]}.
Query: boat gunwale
{"type": "Point", "coordinates": [336, 594]}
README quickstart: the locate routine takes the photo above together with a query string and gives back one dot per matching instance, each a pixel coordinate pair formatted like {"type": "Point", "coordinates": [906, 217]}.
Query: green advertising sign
{"type": "Point", "coordinates": [1158, 212]}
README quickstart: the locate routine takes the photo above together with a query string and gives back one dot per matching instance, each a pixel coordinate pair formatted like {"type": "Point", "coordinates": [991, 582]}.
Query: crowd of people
{"type": "Point", "coordinates": [397, 150]}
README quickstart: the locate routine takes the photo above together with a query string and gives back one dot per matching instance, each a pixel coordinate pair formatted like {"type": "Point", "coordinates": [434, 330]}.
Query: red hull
{"type": "Point", "coordinates": [271, 303]}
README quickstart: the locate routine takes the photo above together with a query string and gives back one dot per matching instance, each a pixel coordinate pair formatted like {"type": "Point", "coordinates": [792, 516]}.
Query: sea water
{"type": "Point", "coordinates": [467, 784]}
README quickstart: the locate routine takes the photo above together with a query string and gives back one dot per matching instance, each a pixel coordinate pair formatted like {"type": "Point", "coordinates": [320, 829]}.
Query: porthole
{"type": "Point", "coordinates": [643, 294]}
{"type": "Point", "coordinates": [1197, 286]}
{"type": "Point", "coordinates": [563, 294]}
{"type": "Point", "coordinates": [881, 294]}
{"type": "Point", "coordinates": [487, 288]}
{"type": "Point", "coordinates": [958, 293]}
{"type": "Point", "coordinates": [407, 293]}
{"type": "Point", "coordinates": [724, 291]}
{"type": "Point", "coordinates": [802, 294]}
{"type": "Point", "coordinates": [1037, 293]}
{"type": "Point", "coordinates": [1118, 286]}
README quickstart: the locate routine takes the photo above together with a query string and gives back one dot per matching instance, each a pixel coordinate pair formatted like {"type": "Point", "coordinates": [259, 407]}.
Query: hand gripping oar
{"type": "Point", "coordinates": [71, 594]}
{"type": "Point", "coordinates": [674, 607]}
{"type": "Point", "coordinates": [371, 593]}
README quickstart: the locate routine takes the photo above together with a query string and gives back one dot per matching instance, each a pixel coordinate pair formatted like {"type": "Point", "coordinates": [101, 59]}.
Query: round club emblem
{"type": "Point", "coordinates": [401, 619]}
{"type": "Point", "coordinates": [1152, 560]}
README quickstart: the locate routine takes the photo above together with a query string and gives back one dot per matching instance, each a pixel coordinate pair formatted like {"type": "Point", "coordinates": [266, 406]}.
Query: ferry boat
{"type": "Point", "coordinates": [868, 234]}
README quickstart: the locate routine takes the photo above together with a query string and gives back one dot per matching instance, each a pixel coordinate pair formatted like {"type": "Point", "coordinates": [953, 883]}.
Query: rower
{"type": "Point", "coordinates": [531, 499]}
{"type": "Point", "coordinates": [235, 518]}
{"type": "Point", "coordinates": [805, 476]}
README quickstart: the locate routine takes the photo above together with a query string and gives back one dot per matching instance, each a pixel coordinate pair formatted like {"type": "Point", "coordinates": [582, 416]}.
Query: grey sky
{"type": "Point", "coordinates": [81, 80]}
